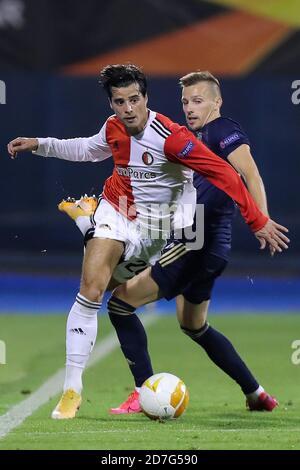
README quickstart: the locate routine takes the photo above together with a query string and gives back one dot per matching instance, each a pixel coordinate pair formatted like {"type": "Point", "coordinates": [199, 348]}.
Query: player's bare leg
{"type": "Point", "coordinates": [192, 320]}
{"type": "Point", "coordinates": [101, 256]}
{"type": "Point", "coordinates": [139, 290]}
{"type": "Point", "coordinates": [191, 316]}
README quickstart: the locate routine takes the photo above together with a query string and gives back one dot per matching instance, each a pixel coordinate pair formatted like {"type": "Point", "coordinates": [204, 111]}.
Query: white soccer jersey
{"type": "Point", "coordinates": [144, 184]}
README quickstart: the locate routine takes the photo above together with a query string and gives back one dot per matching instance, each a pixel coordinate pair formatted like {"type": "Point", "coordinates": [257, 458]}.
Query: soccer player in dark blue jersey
{"type": "Point", "coordinates": [190, 275]}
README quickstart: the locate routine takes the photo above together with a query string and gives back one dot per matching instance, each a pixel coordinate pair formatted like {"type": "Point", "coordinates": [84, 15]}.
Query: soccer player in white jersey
{"type": "Point", "coordinates": [152, 156]}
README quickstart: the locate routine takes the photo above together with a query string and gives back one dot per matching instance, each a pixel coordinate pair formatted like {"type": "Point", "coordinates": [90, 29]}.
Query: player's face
{"type": "Point", "coordinates": [200, 105]}
{"type": "Point", "coordinates": [130, 106]}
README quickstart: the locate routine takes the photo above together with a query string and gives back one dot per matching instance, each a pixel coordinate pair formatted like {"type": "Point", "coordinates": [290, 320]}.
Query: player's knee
{"type": "Point", "coordinates": [93, 291]}
{"type": "Point", "coordinates": [123, 293]}
{"type": "Point", "coordinates": [138, 291]}
{"type": "Point", "coordinates": [193, 323]}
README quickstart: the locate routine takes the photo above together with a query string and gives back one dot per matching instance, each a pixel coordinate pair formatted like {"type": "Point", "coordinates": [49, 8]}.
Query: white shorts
{"type": "Point", "coordinates": [138, 252]}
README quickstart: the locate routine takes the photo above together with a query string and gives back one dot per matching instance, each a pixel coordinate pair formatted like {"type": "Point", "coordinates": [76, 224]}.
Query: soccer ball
{"type": "Point", "coordinates": [163, 396]}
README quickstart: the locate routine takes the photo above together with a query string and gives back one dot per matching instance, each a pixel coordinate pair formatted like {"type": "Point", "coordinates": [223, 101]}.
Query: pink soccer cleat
{"type": "Point", "coordinates": [264, 402]}
{"type": "Point", "coordinates": [131, 405]}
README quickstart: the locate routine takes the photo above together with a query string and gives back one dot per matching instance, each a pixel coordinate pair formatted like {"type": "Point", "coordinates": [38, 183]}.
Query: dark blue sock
{"type": "Point", "coordinates": [132, 337]}
{"type": "Point", "coordinates": [222, 353]}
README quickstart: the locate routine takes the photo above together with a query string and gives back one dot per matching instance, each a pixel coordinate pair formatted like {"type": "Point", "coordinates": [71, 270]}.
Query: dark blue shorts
{"type": "Point", "coordinates": [190, 273]}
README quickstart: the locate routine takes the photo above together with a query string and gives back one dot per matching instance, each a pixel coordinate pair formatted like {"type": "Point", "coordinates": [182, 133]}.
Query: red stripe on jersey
{"type": "Point", "coordinates": [184, 148]}
{"type": "Point", "coordinates": [117, 189]}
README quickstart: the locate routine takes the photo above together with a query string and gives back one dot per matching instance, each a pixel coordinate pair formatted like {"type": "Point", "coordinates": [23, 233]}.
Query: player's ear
{"type": "Point", "coordinates": [110, 104]}
{"type": "Point", "coordinates": [146, 99]}
{"type": "Point", "coordinates": [219, 102]}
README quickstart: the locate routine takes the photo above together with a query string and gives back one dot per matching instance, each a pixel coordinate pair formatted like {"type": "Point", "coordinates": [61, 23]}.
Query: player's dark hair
{"type": "Point", "coordinates": [122, 75]}
{"type": "Point", "coordinates": [196, 77]}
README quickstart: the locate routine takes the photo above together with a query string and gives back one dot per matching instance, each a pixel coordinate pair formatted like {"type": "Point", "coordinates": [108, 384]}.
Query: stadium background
{"type": "Point", "coordinates": [51, 52]}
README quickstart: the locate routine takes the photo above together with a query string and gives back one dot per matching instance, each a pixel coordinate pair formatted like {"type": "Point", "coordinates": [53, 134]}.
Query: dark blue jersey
{"type": "Point", "coordinates": [222, 136]}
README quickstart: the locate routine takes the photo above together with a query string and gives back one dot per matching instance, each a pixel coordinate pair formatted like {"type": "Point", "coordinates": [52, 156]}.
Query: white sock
{"type": "Point", "coordinates": [254, 395]}
{"type": "Point", "coordinates": [81, 335]}
{"type": "Point", "coordinates": [83, 222]}
{"type": "Point", "coordinates": [73, 378]}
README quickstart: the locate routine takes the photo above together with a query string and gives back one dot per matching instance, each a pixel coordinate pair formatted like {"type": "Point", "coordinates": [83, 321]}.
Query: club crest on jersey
{"type": "Point", "coordinates": [186, 150]}
{"type": "Point", "coordinates": [229, 140]}
{"type": "Point", "coordinates": [147, 158]}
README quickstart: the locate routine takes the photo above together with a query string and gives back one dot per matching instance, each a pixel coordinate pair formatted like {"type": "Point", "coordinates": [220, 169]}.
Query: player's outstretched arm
{"type": "Point", "coordinates": [79, 149]}
{"type": "Point", "coordinates": [243, 162]}
{"type": "Point", "coordinates": [22, 144]}
{"type": "Point", "coordinates": [182, 147]}
{"type": "Point", "coordinates": [241, 159]}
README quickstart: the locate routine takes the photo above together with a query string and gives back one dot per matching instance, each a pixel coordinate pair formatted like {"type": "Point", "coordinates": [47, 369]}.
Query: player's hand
{"type": "Point", "coordinates": [273, 234]}
{"type": "Point", "coordinates": [22, 144]}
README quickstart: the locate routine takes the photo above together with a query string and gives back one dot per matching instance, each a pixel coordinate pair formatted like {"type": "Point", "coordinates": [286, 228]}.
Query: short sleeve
{"type": "Point", "coordinates": [230, 137]}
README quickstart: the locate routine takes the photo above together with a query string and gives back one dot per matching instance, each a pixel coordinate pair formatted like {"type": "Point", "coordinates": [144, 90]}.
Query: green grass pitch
{"type": "Point", "coordinates": [216, 417]}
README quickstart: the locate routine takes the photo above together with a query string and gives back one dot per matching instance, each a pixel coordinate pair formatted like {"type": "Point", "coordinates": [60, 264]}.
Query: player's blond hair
{"type": "Point", "coordinates": [197, 77]}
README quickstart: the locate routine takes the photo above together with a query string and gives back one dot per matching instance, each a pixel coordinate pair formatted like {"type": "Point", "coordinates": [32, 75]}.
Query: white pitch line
{"type": "Point", "coordinates": [18, 413]}
{"type": "Point", "coordinates": [150, 430]}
